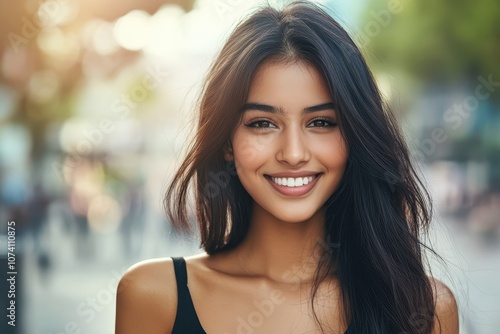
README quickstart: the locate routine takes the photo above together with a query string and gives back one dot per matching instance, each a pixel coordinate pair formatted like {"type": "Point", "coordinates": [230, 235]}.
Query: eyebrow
{"type": "Point", "coordinates": [280, 111]}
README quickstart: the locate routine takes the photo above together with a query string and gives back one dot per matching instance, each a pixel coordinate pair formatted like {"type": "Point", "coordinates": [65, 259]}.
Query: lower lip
{"type": "Point", "coordinates": [294, 191]}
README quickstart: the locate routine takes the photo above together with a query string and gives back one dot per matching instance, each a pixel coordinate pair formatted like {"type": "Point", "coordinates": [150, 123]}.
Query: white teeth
{"type": "Point", "coordinates": [292, 182]}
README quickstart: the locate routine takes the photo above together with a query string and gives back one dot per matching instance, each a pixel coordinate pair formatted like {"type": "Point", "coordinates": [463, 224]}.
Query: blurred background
{"type": "Point", "coordinates": [96, 103]}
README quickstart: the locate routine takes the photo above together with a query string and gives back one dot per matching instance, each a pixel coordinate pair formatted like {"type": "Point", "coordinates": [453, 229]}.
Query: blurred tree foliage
{"type": "Point", "coordinates": [444, 47]}
{"type": "Point", "coordinates": [20, 28]}
{"type": "Point", "coordinates": [439, 41]}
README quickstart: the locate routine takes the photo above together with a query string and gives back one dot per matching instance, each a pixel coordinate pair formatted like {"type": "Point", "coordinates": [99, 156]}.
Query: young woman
{"type": "Point", "coordinates": [309, 209]}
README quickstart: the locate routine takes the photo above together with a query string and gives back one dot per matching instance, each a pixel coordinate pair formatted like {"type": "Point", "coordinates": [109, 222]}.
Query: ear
{"type": "Point", "coordinates": [228, 152]}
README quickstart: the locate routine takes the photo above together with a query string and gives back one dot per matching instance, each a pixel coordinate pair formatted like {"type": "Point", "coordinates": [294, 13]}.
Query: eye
{"type": "Point", "coordinates": [260, 124]}
{"type": "Point", "coordinates": [324, 123]}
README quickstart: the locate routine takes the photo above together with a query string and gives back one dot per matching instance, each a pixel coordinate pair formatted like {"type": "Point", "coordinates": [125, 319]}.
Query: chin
{"type": "Point", "coordinates": [295, 218]}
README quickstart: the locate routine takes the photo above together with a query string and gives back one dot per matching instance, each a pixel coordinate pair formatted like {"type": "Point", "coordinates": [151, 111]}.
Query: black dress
{"type": "Point", "coordinates": [186, 319]}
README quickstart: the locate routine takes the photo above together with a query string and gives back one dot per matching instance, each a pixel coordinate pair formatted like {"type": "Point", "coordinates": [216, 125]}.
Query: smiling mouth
{"type": "Point", "coordinates": [292, 181]}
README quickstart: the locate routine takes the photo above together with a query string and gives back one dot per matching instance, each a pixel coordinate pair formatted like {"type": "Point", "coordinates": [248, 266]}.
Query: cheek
{"type": "Point", "coordinates": [250, 149]}
{"type": "Point", "coordinates": [332, 153]}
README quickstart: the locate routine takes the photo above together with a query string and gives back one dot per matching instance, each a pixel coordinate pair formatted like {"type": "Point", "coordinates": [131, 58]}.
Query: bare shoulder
{"type": "Point", "coordinates": [146, 298]}
{"type": "Point", "coordinates": [446, 321]}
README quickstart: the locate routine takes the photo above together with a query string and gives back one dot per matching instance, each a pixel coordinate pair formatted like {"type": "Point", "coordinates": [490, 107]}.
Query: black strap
{"type": "Point", "coordinates": [186, 319]}
{"type": "Point", "coordinates": [180, 276]}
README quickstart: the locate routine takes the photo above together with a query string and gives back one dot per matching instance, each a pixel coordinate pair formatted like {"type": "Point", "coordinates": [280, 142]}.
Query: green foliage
{"type": "Point", "coordinates": [437, 40]}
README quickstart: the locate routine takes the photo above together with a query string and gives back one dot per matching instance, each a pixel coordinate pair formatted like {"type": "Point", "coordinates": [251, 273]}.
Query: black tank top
{"type": "Point", "coordinates": [186, 319]}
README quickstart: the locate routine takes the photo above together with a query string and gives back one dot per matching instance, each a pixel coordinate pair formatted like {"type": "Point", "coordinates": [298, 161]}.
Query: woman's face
{"type": "Point", "coordinates": [289, 126]}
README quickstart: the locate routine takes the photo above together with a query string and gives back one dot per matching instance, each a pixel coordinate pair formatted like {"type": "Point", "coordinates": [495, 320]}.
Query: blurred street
{"type": "Point", "coordinates": [472, 270]}
{"type": "Point", "coordinates": [66, 291]}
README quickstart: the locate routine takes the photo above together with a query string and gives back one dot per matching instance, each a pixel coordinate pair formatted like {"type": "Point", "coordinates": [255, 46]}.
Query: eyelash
{"type": "Point", "coordinates": [250, 125]}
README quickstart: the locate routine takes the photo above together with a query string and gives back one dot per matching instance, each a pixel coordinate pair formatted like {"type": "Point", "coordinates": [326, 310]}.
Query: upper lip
{"type": "Point", "coordinates": [294, 174]}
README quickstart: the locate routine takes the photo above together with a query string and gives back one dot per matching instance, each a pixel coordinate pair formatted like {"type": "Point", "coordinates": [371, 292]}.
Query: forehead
{"type": "Point", "coordinates": [296, 84]}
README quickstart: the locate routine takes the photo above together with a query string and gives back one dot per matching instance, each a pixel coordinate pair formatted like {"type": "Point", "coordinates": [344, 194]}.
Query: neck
{"type": "Point", "coordinates": [280, 251]}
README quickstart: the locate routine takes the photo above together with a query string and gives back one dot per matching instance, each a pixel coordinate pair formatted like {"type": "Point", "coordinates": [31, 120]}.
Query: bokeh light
{"type": "Point", "coordinates": [131, 31]}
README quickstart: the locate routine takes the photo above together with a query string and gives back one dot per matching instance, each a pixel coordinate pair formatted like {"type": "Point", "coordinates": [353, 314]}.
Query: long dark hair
{"type": "Point", "coordinates": [378, 212]}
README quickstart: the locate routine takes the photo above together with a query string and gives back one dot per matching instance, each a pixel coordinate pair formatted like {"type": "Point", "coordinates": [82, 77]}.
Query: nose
{"type": "Point", "coordinates": [293, 148]}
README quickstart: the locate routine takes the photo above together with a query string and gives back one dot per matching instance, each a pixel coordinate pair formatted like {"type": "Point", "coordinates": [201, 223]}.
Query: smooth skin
{"type": "Point", "coordinates": [263, 284]}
